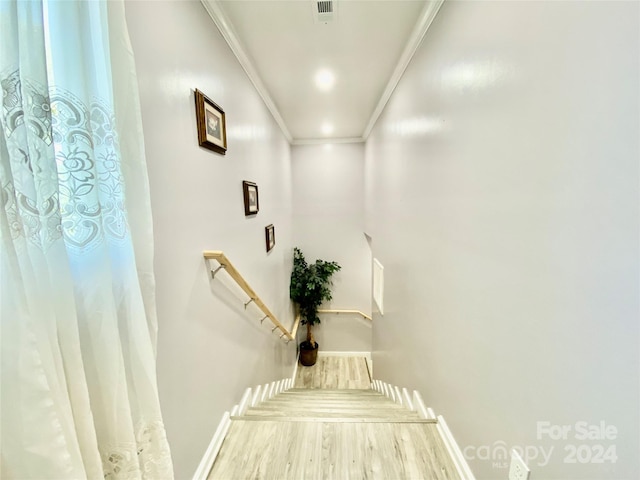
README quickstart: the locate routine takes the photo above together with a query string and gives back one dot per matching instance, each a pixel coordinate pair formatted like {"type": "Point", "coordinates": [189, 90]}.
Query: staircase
{"type": "Point", "coordinates": [333, 434]}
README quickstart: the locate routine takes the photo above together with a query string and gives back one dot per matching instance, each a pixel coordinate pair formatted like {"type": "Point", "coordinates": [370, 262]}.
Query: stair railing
{"type": "Point", "coordinates": [354, 312]}
{"type": "Point", "coordinates": [225, 264]}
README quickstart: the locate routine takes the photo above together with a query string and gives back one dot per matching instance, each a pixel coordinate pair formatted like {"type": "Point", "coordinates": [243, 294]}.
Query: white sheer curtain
{"type": "Point", "coordinates": [78, 382]}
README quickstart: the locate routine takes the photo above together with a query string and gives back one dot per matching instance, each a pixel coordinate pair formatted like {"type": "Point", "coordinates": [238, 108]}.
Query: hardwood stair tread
{"type": "Point", "coordinates": [337, 391]}
{"type": "Point", "coordinates": [337, 419]}
{"type": "Point", "coordinates": [302, 413]}
{"type": "Point", "coordinates": [293, 450]}
{"type": "Point", "coordinates": [338, 433]}
{"type": "Point", "coordinates": [362, 404]}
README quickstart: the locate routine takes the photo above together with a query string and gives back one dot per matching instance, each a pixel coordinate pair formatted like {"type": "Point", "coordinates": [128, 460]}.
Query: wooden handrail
{"type": "Point", "coordinates": [356, 312]}
{"type": "Point", "coordinates": [224, 262]}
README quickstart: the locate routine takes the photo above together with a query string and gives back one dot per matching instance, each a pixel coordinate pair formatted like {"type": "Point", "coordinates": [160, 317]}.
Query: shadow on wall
{"type": "Point", "coordinates": [227, 291]}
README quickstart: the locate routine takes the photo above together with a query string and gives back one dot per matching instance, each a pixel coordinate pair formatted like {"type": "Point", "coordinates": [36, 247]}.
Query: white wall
{"type": "Point", "coordinates": [328, 213]}
{"type": "Point", "coordinates": [502, 198]}
{"type": "Point", "coordinates": [209, 349]}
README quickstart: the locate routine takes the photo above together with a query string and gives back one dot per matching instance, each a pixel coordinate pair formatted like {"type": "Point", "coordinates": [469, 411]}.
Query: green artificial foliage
{"type": "Point", "coordinates": [310, 287]}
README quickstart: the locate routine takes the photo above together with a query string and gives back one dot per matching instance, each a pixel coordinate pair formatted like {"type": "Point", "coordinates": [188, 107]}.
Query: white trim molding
{"type": "Point", "coordinates": [250, 398]}
{"type": "Point", "coordinates": [414, 402]}
{"type": "Point", "coordinates": [415, 39]}
{"type": "Point", "coordinates": [419, 31]}
{"type": "Point", "coordinates": [206, 464]}
{"type": "Point", "coordinates": [454, 449]}
{"type": "Point", "coordinates": [327, 141]}
{"type": "Point", "coordinates": [224, 25]}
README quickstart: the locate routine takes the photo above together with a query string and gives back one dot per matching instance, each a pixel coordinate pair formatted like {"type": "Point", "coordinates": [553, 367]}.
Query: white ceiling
{"type": "Point", "coordinates": [281, 45]}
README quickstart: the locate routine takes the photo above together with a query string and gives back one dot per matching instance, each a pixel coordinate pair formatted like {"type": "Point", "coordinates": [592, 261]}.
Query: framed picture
{"type": "Point", "coordinates": [212, 126]}
{"type": "Point", "coordinates": [251, 205]}
{"type": "Point", "coordinates": [270, 236]}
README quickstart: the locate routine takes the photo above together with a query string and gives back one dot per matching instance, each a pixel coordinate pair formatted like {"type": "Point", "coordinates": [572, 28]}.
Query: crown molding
{"type": "Point", "coordinates": [221, 21]}
{"type": "Point", "coordinates": [429, 12]}
{"type": "Point", "coordinates": [327, 140]}
{"type": "Point", "coordinates": [224, 26]}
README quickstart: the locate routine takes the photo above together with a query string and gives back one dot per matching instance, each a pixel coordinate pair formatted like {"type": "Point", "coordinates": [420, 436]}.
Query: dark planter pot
{"type": "Point", "coordinates": [308, 354]}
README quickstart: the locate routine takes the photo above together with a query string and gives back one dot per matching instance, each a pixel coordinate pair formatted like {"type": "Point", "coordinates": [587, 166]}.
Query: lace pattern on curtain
{"type": "Point", "coordinates": [86, 201]}
{"type": "Point", "coordinates": [36, 217]}
{"type": "Point", "coordinates": [149, 458]}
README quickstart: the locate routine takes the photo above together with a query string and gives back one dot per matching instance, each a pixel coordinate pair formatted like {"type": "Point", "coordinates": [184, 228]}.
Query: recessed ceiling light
{"type": "Point", "coordinates": [327, 128]}
{"type": "Point", "coordinates": [325, 79]}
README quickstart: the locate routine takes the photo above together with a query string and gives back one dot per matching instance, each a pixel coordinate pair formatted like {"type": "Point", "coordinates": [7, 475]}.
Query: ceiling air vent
{"type": "Point", "coordinates": [325, 7]}
{"type": "Point", "coordinates": [324, 11]}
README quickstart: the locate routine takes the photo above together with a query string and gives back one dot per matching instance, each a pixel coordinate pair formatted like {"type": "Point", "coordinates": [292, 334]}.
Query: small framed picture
{"type": "Point", "coordinates": [212, 126]}
{"type": "Point", "coordinates": [251, 205]}
{"type": "Point", "coordinates": [270, 236]}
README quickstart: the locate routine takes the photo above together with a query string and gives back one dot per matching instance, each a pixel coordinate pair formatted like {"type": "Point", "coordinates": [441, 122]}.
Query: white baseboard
{"type": "Point", "coordinates": [214, 447]}
{"type": "Point", "coordinates": [251, 397]}
{"type": "Point", "coordinates": [454, 450]}
{"type": "Point", "coordinates": [323, 353]}
{"type": "Point", "coordinates": [415, 402]}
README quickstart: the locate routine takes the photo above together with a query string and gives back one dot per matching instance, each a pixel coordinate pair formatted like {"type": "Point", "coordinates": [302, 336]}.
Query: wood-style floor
{"type": "Point", "coordinates": [334, 372]}
{"type": "Point", "coordinates": [341, 451]}
{"type": "Point", "coordinates": [332, 426]}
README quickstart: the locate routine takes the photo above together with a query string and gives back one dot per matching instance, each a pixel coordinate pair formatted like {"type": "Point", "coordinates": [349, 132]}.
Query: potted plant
{"type": "Point", "coordinates": [310, 287]}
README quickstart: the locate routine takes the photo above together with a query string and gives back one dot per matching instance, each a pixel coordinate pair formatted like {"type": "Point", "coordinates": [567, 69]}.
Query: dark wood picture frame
{"type": "Point", "coordinates": [212, 124]}
{"type": "Point", "coordinates": [270, 236]}
{"type": "Point", "coordinates": [251, 201]}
